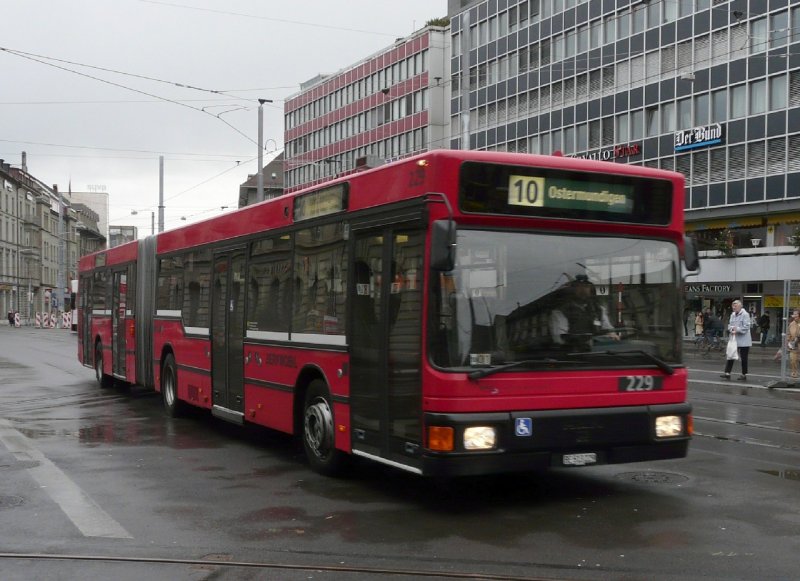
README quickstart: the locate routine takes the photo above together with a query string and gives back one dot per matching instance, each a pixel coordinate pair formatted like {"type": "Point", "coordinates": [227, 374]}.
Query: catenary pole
{"type": "Point", "coordinates": [160, 193]}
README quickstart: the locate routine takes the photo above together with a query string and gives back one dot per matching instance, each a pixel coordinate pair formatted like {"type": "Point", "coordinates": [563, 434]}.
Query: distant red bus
{"type": "Point", "coordinates": [454, 313]}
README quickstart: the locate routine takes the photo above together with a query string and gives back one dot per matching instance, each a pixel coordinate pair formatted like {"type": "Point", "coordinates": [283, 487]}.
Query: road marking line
{"type": "Point", "coordinates": [84, 512]}
{"type": "Point", "coordinates": [744, 384]}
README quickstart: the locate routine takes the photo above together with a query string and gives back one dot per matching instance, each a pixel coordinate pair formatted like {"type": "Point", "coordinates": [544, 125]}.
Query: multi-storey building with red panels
{"type": "Point", "coordinates": [387, 106]}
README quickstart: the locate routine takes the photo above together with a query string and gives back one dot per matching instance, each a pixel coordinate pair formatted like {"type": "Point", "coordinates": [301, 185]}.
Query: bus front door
{"type": "Point", "coordinates": [385, 340]}
{"type": "Point", "coordinates": [227, 335]}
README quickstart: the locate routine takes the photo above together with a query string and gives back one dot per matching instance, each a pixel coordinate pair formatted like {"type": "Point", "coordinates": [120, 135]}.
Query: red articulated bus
{"type": "Point", "coordinates": [454, 313]}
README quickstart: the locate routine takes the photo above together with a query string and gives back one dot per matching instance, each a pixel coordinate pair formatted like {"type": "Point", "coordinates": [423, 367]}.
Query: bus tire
{"type": "Point", "coordinates": [169, 387]}
{"type": "Point", "coordinates": [103, 380]}
{"type": "Point", "coordinates": [318, 432]}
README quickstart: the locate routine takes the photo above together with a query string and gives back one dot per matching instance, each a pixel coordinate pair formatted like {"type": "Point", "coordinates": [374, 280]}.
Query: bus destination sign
{"type": "Point", "coordinates": [320, 203]}
{"type": "Point", "coordinates": [540, 192]}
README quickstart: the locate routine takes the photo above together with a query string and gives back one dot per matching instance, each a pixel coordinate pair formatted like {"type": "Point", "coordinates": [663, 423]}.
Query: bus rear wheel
{"type": "Point", "coordinates": [169, 387]}
{"type": "Point", "coordinates": [318, 432]}
{"type": "Point", "coordinates": [103, 380]}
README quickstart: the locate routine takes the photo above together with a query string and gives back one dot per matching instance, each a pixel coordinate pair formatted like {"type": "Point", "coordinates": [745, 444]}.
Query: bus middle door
{"type": "Point", "coordinates": [119, 305]}
{"type": "Point", "coordinates": [227, 335]}
{"type": "Point", "coordinates": [85, 319]}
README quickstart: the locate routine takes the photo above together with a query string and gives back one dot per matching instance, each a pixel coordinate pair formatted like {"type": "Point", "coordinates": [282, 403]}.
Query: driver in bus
{"type": "Point", "coordinates": [580, 317]}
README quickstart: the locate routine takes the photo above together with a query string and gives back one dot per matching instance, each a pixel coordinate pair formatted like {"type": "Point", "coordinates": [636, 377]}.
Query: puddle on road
{"type": "Point", "coordinates": [130, 431]}
{"type": "Point", "coordinates": [786, 474]}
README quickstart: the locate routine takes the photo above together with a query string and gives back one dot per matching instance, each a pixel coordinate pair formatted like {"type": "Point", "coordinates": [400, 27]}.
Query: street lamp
{"type": "Point", "coordinates": [152, 221]}
{"type": "Point", "coordinates": [28, 253]}
{"type": "Point", "coordinates": [260, 182]}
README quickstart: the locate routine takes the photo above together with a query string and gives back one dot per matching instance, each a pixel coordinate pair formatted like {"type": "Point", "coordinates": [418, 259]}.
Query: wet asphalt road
{"type": "Point", "coordinates": [100, 484]}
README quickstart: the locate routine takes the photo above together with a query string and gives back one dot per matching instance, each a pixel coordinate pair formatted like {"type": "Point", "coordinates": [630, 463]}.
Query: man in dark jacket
{"type": "Point", "coordinates": [763, 323]}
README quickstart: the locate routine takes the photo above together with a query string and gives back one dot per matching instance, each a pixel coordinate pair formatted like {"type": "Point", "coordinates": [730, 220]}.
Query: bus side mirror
{"type": "Point", "coordinates": [690, 256]}
{"type": "Point", "coordinates": [443, 245]}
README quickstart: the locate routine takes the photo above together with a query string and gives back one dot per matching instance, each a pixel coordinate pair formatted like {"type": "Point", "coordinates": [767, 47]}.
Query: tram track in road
{"type": "Point", "coordinates": [56, 401]}
{"type": "Point", "coordinates": [749, 441]}
{"type": "Point", "coordinates": [757, 427]}
{"type": "Point", "coordinates": [341, 569]}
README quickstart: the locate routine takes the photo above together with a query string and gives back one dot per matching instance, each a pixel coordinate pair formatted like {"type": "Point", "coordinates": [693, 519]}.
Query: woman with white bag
{"type": "Point", "coordinates": [739, 341]}
{"type": "Point", "coordinates": [791, 342]}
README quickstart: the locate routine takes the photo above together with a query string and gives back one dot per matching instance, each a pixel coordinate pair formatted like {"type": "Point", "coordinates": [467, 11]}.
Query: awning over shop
{"type": "Point", "coordinates": [736, 222]}
{"type": "Point", "coordinates": [793, 218]}
{"type": "Point", "coordinates": [776, 301]}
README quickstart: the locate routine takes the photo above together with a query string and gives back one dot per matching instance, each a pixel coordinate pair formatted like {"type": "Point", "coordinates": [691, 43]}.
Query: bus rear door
{"type": "Point", "coordinates": [85, 320]}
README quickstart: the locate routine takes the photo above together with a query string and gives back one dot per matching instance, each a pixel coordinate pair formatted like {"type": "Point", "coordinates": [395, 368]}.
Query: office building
{"type": "Point", "coordinates": [710, 89]}
{"type": "Point", "coordinates": [387, 106]}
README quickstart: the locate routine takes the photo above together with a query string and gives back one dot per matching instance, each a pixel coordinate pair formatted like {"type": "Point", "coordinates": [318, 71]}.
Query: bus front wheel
{"type": "Point", "coordinates": [318, 431]}
{"type": "Point", "coordinates": [169, 387]}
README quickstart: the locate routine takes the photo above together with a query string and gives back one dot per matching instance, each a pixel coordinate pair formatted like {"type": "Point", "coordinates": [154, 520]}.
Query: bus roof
{"type": "Point", "coordinates": [408, 178]}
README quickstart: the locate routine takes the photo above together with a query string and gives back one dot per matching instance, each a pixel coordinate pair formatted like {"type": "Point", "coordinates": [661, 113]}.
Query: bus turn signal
{"type": "Point", "coordinates": [440, 439]}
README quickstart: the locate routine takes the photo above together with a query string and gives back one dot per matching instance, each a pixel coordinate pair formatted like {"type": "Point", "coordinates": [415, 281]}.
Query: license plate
{"type": "Point", "coordinates": [580, 459]}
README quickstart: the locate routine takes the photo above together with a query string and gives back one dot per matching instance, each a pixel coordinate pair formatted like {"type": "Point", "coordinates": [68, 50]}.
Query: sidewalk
{"type": "Point", "coordinates": [763, 371]}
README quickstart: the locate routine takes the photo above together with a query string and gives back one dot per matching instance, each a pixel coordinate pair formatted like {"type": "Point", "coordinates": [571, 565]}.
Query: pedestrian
{"type": "Point", "coordinates": [764, 323]}
{"type": "Point", "coordinates": [707, 323]}
{"type": "Point", "coordinates": [739, 327]}
{"type": "Point", "coordinates": [698, 324]}
{"type": "Point", "coordinates": [10, 318]}
{"type": "Point", "coordinates": [791, 342]}
{"type": "Point", "coordinates": [716, 328]}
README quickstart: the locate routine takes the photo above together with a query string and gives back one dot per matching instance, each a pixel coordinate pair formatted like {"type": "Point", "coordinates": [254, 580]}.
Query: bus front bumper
{"type": "Point", "coordinates": [534, 440]}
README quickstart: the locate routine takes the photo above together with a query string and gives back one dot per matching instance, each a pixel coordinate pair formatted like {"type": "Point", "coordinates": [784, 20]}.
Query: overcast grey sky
{"type": "Point", "coordinates": [89, 88]}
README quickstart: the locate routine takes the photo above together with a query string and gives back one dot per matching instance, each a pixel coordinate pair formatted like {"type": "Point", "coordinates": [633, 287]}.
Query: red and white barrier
{"type": "Point", "coordinates": [38, 320]}
{"type": "Point", "coordinates": [66, 320]}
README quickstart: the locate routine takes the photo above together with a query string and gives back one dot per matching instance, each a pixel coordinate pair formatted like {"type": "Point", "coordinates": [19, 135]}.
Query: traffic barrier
{"type": "Point", "coordinates": [66, 320]}
{"type": "Point", "coordinates": [38, 321]}
{"type": "Point", "coordinates": [53, 319]}
{"type": "Point", "coordinates": [16, 320]}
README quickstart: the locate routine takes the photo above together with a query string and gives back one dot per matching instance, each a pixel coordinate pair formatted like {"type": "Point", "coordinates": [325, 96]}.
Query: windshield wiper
{"type": "Point", "coordinates": [492, 370]}
{"type": "Point", "coordinates": [660, 363]}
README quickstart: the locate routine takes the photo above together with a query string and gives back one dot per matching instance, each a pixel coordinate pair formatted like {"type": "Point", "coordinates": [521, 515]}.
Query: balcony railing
{"type": "Point", "coordinates": [754, 250]}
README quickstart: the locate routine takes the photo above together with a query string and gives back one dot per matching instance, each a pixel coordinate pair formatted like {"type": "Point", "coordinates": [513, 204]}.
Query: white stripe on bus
{"type": "Point", "coordinates": [318, 338]}
{"type": "Point", "coordinates": [268, 335]}
{"type": "Point", "coordinates": [168, 313]}
{"type": "Point", "coordinates": [197, 331]}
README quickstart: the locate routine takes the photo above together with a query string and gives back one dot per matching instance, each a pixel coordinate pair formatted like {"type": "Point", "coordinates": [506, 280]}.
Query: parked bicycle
{"type": "Point", "coordinates": [706, 345]}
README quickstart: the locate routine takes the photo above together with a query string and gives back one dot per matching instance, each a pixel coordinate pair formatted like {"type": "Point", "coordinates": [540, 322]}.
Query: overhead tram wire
{"type": "Point", "coordinates": [35, 56]}
{"type": "Point", "coordinates": [128, 101]}
{"type": "Point", "coordinates": [270, 18]}
{"type": "Point", "coordinates": [121, 86]}
{"type": "Point", "coordinates": [238, 164]}
{"type": "Point", "coordinates": [95, 148]}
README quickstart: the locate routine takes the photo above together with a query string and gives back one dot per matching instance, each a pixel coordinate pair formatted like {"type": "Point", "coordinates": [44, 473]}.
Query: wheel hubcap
{"type": "Point", "coordinates": [319, 427]}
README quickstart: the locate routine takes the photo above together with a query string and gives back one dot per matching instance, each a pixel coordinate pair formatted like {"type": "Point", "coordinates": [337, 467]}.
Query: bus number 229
{"type": "Point", "coordinates": [640, 383]}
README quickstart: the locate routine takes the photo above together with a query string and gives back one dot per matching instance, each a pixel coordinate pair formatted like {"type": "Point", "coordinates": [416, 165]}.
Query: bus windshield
{"type": "Point", "coordinates": [555, 300]}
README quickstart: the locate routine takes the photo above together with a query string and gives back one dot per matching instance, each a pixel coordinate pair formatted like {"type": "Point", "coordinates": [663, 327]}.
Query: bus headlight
{"type": "Point", "coordinates": [480, 438]}
{"type": "Point", "coordinates": [669, 426]}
